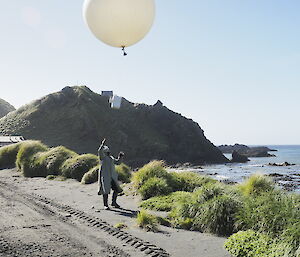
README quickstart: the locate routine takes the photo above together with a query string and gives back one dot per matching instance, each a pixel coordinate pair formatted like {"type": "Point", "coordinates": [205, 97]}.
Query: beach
{"type": "Point", "coordinates": [40, 217]}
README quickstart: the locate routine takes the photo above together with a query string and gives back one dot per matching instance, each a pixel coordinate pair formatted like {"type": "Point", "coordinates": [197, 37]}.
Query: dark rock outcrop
{"type": "Point", "coordinates": [283, 164]}
{"type": "Point", "coordinates": [5, 108]}
{"type": "Point", "coordinates": [239, 158]}
{"type": "Point", "coordinates": [257, 151]}
{"type": "Point", "coordinates": [79, 119]}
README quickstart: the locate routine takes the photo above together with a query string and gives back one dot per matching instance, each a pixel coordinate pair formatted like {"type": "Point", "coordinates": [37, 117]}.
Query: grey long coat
{"type": "Point", "coordinates": [107, 172]}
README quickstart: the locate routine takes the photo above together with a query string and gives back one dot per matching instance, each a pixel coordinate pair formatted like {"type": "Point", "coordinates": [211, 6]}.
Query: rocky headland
{"type": "Point", "coordinates": [79, 118]}
{"type": "Point", "coordinates": [257, 151]}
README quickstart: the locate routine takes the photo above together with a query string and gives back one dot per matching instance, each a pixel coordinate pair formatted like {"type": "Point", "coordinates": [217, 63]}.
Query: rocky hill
{"type": "Point", "coordinates": [5, 108]}
{"type": "Point", "coordinates": [78, 118]}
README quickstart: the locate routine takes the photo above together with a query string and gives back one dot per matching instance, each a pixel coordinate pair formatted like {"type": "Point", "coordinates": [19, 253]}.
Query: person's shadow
{"type": "Point", "coordinates": [125, 212]}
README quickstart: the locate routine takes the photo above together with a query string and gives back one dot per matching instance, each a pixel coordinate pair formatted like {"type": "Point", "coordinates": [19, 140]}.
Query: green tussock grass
{"type": "Point", "coordinates": [256, 244]}
{"type": "Point", "coordinates": [77, 166]}
{"type": "Point", "coordinates": [8, 155]}
{"type": "Point", "coordinates": [211, 209]}
{"type": "Point", "coordinates": [121, 225]}
{"type": "Point", "coordinates": [154, 187]}
{"type": "Point", "coordinates": [154, 180]}
{"type": "Point", "coordinates": [189, 181]}
{"type": "Point", "coordinates": [166, 203]}
{"type": "Point", "coordinates": [271, 212]}
{"type": "Point", "coordinates": [265, 217]}
{"type": "Point", "coordinates": [53, 159]}
{"type": "Point", "coordinates": [256, 184]}
{"type": "Point", "coordinates": [27, 160]}
{"type": "Point", "coordinates": [124, 173]}
{"type": "Point", "coordinates": [267, 213]}
{"type": "Point", "coordinates": [152, 169]}
{"type": "Point", "coordinates": [248, 243]}
{"type": "Point", "coordinates": [147, 221]}
{"type": "Point", "coordinates": [91, 176]}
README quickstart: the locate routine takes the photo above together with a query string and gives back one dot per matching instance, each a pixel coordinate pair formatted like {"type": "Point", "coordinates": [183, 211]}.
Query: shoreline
{"type": "Point", "coordinates": [287, 177]}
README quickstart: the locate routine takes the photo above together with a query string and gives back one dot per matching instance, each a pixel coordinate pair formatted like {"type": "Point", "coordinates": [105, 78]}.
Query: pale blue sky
{"type": "Point", "coordinates": [233, 66]}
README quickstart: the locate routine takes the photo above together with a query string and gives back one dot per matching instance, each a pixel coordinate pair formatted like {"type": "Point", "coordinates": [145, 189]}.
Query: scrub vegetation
{"type": "Point", "coordinates": [8, 155]}
{"type": "Point", "coordinates": [77, 166]}
{"type": "Point", "coordinates": [259, 218]}
{"type": "Point", "coordinates": [121, 225]}
{"type": "Point", "coordinates": [166, 203]}
{"type": "Point", "coordinates": [91, 176]}
{"type": "Point", "coordinates": [28, 159]}
{"type": "Point", "coordinates": [34, 159]}
{"type": "Point", "coordinates": [153, 179]}
{"type": "Point", "coordinates": [124, 173]}
{"type": "Point", "coordinates": [147, 221]}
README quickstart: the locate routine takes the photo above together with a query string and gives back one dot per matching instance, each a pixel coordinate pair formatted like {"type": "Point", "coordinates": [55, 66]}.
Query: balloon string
{"type": "Point", "coordinates": [123, 49]}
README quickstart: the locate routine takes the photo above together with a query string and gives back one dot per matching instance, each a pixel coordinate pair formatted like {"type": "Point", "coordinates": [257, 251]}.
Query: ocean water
{"type": "Point", "coordinates": [237, 172]}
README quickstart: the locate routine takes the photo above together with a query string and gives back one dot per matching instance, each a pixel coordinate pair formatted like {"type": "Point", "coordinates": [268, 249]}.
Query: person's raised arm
{"type": "Point", "coordinates": [119, 159]}
{"type": "Point", "coordinates": [100, 150]}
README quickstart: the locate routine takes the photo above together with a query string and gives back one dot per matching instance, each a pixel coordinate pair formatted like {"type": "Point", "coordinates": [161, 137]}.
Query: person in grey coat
{"type": "Point", "coordinates": [108, 177]}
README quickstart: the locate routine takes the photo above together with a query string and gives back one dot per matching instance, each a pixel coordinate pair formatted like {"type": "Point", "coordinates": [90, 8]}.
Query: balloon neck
{"type": "Point", "coordinates": [124, 52]}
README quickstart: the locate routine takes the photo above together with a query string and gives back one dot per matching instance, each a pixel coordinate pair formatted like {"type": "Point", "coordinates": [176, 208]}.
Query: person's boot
{"type": "Point", "coordinates": [114, 200]}
{"type": "Point", "coordinates": [105, 201]}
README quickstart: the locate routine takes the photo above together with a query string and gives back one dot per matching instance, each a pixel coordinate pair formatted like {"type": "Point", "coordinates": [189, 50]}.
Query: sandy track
{"type": "Point", "coordinates": [40, 217]}
{"type": "Point", "coordinates": [32, 225]}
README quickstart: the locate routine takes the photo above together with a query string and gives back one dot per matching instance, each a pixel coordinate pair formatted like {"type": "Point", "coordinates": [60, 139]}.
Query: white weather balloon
{"type": "Point", "coordinates": [119, 23]}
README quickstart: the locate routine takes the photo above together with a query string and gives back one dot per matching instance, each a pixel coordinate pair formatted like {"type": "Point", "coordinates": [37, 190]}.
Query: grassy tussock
{"type": "Point", "coordinates": [53, 159]}
{"type": "Point", "coordinates": [267, 213]}
{"type": "Point", "coordinates": [124, 173]}
{"type": "Point", "coordinates": [77, 166]}
{"type": "Point", "coordinates": [152, 169]}
{"type": "Point", "coordinates": [147, 221]}
{"type": "Point", "coordinates": [91, 176]}
{"type": "Point", "coordinates": [207, 205]}
{"type": "Point", "coordinates": [154, 180]}
{"type": "Point", "coordinates": [256, 184]}
{"type": "Point", "coordinates": [166, 203]}
{"type": "Point", "coordinates": [211, 209]}
{"type": "Point", "coordinates": [248, 243]}
{"type": "Point", "coordinates": [121, 225]}
{"type": "Point", "coordinates": [154, 187]}
{"type": "Point", "coordinates": [35, 159]}
{"type": "Point", "coordinates": [28, 161]}
{"type": "Point", "coordinates": [189, 181]}
{"type": "Point", "coordinates": [8, 155]}
{"type": "Point", "coordinates": [251, 243]}
{"type": "Point", "coordinates": [271, 212]}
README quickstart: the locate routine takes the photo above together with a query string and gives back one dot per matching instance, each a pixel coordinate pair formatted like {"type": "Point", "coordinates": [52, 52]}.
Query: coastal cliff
{"type": "Point", "coordinates": [78, 118]}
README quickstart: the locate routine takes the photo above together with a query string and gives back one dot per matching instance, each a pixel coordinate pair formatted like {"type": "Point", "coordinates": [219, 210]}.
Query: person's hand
{"type": "Point", "coordinates": [121, 154]}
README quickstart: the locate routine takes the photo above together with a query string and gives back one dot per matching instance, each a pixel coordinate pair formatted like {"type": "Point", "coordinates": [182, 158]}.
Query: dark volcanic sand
{"type": "Point", "coordinates": [43, 218]}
